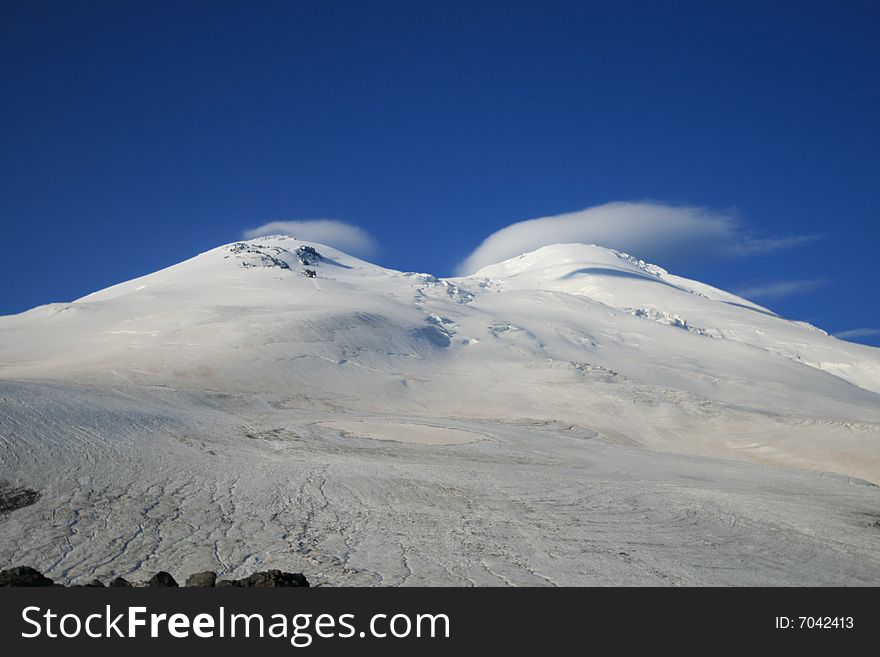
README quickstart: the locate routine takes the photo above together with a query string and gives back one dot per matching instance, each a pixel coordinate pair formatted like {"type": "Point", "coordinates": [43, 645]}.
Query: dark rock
{"type": "Point", "coordinates": [273, 578]}
{"type": "Point", "coordinates": [310, 273]}
{"type": "Point", "coordinates": [259, 256]}
{"type": "Point", "coordinates": [268, 578]}
{"type": "Point", "coordinates": [203, 579]}
{"type": "Point", "coordinates": [162, 580]}
{"type": "Point", "coordinates": [308, 255]}
{"type": "Point", "coordinates": [15, 497]}
{"type": "Point", "coordinates": [24, 576]}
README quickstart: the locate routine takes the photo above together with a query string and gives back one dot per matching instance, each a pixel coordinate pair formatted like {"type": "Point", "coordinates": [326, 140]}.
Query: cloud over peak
{"type": "Point", "coordinates": [338, 234]}
{"type": "Point", "coordinates": [652, 231]}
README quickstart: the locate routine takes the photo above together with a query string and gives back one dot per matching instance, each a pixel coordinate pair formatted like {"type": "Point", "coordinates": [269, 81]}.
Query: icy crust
{"type": "Point", "coordinates": [810, 327]}
{"type": "Point", "coordinates": [428, 286]}
{"type": "Point", "coordinates": [675, 321]}
{"type": "Point", "coordinates": [648, 268]}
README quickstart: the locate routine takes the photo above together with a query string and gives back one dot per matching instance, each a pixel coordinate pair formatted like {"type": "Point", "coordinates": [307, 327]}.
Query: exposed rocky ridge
{"type": "Point", "coordinates": [255, 254]}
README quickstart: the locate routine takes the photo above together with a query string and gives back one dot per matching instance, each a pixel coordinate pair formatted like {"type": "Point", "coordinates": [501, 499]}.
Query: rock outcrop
{"type": "Point", "coordinates": [24, 576]}
{"type": "Point", "coordinates": [162, 580]}
{"type": "Point", "coordinates": [27, 576]}
{"type": "Point", "coordinates": [206, 578]}
{"type": "Point", "coordinates": [268, 578]}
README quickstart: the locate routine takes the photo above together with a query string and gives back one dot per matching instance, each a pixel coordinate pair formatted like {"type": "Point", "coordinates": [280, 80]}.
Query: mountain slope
{"type": "Point", "coordinates": [289, 388]}
{"type": "Point", "coordinates": [560, 333]}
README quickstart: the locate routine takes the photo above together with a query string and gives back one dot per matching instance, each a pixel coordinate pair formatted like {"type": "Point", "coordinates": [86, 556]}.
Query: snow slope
{"type": "Point", "coordinates": [569, 416]}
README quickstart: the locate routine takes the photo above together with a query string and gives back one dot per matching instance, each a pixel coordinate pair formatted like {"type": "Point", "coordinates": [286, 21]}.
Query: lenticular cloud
{"type": "Point", "coordinates": [653, 231]}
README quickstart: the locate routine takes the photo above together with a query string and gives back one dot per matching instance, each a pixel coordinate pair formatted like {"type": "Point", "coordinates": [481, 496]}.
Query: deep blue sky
{"type": "Point", "coordinates": [134, 135]}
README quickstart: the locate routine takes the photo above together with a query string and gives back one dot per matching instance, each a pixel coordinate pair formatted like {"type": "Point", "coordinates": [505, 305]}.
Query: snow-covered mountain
{"type": "Point", "coordinates": [536, 422]}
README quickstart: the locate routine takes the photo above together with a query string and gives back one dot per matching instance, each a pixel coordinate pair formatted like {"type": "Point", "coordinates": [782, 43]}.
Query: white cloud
{"type": "Point", "coordinates": [857, 333]}
{"type": "Point", "coordinates": [338, 234]}
{"type": "Point", "coordinates": [653, 231]}
{"type": "Point", "coordinates": [779, 289]}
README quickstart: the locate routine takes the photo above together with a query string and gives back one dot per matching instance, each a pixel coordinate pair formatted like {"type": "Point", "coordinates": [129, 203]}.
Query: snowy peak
{"type": "Point", "coordinates": [261, 264]}
{"type": "Point", "coordinates": [607, 275]}
{"type": "Point", "coordinates": [565, 302]}
{"type": "Point", "coordinates": [568, 331]}
{"type": "Point", "coordinates": [559, 260]}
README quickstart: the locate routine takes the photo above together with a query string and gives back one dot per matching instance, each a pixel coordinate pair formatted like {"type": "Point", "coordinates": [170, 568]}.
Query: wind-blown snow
{"type": "Point", "coordinates": [570, 416]}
